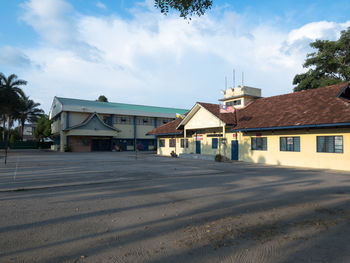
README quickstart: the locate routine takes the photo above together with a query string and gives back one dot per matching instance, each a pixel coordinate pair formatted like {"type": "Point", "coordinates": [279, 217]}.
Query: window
{"type": "Point", "coordinates": [106, 119]}
{"type": "Point", "coordinates": [172, 142]}
{"type": "Point", "coordinates": [290, 144]}
{"type": "Point", "coordinates": [161, 143]}
{"type": "Point", "coordinates": [123, 119]}
{"type": "Point", "coordinates": [214, 143]}
{"type": "Point", "coordinates": [233, 103]}
{"type": "Point", "coordinates": [259, 143]}
{"type": "Point", "coordinates": [183, 143]}
{"type": "Point", "coordinates": [330, 144]}
{"type": "Point", "coordinates": [145, 121]}
{"type": "Point", "coordinates": [164, 121]}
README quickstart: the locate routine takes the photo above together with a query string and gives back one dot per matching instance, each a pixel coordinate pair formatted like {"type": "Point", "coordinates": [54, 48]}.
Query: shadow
{"type": "Point", "coordinates": [182, 210]}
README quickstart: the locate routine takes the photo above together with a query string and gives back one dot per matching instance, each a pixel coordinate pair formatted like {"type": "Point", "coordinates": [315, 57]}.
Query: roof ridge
{"type": "Point", "coordinates": [119, 103]}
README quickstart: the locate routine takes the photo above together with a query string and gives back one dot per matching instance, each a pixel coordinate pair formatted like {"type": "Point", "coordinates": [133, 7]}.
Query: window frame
{"type": "Point", "coordinates": [182, 143]}
{"type": "Point", "coordinates": [161, 143]}
{"type": "Point", "coordinates": [296, 142]}
{"type": "Point", "coordinates": [256, 143]}
{"type": "Point", "coordinates": [172, 143]}
{"type": "Point", "coordinates": [327, 144]}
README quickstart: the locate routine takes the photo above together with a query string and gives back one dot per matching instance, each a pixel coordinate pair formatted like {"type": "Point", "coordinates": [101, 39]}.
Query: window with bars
{"type": "Point", "coordinates": [233, 103]}
{"type": "Point", "coordinates": [330, 144]}
{"type": "Point", "coordinates": [123, 119]}
{"type": "Point", "coordinates": [259, 143]}
{"type": "Point", "coordinates": [290, 144]}
{"type": "Point", "coordinates": [183, 143]}
{"type": "Point", "coordinates": [172, 142]}
{"type": "Point", "coordinates": [161, 143]}
{"type": "Point", "coordinates": [145, 121]}
{"type": "Point", "coordinates": [164, 121]}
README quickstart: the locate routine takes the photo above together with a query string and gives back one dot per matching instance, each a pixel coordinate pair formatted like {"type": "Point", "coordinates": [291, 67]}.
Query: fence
{"type": "Point", "coordinates": [27, 145]}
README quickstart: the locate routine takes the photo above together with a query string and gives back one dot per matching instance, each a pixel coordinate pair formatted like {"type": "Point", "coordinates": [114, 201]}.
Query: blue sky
{"type": "Point", "coordinates": [131, 53]}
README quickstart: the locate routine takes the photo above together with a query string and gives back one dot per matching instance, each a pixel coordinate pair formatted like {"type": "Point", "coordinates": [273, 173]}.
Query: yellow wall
{"type": "Point", "coordinates": [308, 155]}
{"type": "Point", "coordinates": [203, 119]}
{"type": "Point", "coordinates": [206, 146]}
{"type": "Point", "coordinates": [167, 150]}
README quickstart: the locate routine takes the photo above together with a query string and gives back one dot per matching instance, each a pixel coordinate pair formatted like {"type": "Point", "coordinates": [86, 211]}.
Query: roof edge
{"type": "Point", "coordinates": [296, 127]}
{"type": "Point", "coordinates": [88, 120]}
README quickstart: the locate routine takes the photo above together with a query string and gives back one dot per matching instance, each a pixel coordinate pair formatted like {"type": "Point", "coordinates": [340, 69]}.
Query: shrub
{"type": "Point", "coordinates": [173, 154]}
{"type": "Point", "coordinates": [218, 158]}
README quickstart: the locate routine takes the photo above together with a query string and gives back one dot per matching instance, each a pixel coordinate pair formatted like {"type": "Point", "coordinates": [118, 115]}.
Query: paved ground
{"type": "Point", "coordinates": [110, 207]}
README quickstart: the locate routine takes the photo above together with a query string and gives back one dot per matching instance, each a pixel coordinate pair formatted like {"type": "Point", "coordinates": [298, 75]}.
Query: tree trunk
{"type": "Point", "coordinates": [3, 127]}
{"type": "Point", "coordinates": [7, 137]}
{"type": "Point", "coordinates": [22, 128]}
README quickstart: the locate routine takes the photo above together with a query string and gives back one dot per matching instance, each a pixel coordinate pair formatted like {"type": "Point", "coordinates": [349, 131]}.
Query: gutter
{"type": "Point", "coordinates": [162, 134]}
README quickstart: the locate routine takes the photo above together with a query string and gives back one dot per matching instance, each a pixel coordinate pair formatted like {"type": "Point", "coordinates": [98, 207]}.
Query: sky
{"type": "Point", "coordinates": [131, 53]}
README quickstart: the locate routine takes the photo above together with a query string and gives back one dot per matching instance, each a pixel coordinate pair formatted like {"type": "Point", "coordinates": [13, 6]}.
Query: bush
{"type": "Point", "coordinates": [173, 154]}
{"type": "Point", "coordinates": [218, 158]}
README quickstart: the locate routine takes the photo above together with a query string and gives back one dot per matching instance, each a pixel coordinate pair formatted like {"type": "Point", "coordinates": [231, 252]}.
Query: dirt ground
{"type": "Point", "coordinates": [112, 207]}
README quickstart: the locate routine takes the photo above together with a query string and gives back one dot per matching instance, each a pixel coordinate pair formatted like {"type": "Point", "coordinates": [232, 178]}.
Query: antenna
{"type": "Point", "coordinates": [225, 83]}
{"type": "Point", "coordinates": [233, 78]}
{"type": "Point", "coordinates": [242, 78]}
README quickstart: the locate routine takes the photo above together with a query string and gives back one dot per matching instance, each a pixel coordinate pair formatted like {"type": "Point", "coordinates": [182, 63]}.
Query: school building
{"type": "Point", "coordinates": [83, 125]}
{"type": "Point", "coordinates": [308, 128]}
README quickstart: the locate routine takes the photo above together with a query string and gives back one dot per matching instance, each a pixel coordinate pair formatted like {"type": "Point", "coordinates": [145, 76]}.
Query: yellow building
{"type": "Point", "coordinates": [307, 129]}
{"type": "Point", "coordinates": [83, 125]}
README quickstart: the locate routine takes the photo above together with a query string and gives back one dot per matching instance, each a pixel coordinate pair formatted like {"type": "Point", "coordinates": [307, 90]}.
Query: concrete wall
{"type": "Point", "coordinates": [126, 131]}
{"type": "Point", "coordinates": [141, 131]}
{"type": "Point", "coordinates": [308, 155]}
{"type": "Point", "coordinates": [76, 118]}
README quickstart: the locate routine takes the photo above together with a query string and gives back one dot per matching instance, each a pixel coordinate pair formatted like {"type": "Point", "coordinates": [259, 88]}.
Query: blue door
{"type": "Point", "coordinates": [234, 149]}
{"type": "Point", "coordinates": [198, 147]}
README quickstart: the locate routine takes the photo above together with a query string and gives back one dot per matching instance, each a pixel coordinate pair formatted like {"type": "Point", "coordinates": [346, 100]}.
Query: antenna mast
{"type": "Point", "coordinates": [242, 78]}
{"type": "Point", "coordinates": [225, 83]}
{"type": "Point", "coordinates": [233, 78]}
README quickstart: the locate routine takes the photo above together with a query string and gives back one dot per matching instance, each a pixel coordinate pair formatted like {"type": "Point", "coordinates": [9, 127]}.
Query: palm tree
{"type": "Point", "coordinates": [10, 93]}
{"type": "Point", "coordinates": [28, 112]}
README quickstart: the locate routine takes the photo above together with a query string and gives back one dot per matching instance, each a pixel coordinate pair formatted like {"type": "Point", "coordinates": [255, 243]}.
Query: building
{"type": "Point", "coordinates": [308, 129]}
{"type": "Point", "coordinates": [83, 125]}
{"type": "Point", "coordinates": [28, 132]}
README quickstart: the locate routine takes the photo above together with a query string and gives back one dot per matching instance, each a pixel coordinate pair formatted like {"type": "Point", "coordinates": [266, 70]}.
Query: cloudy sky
{"type": "Point", "coordinates": [129, 52]}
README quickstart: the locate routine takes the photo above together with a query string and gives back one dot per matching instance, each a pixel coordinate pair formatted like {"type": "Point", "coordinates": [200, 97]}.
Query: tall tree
{"type": "Point", "coordinates": [10, 93]}
{"type": "Point", "coordinates": [102, 98]}
{"type": "Point", "coordinates": [28, 111]}
{"type": "Point", "coordinates": [43, 128]}
{"type": "Point", "coordinates": [186, 8]}
{"type": "Point", "coordinates": [329, 65]}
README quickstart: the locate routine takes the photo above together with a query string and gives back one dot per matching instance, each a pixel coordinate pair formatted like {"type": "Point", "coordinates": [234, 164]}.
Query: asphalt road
{"type": "Point", "coordinates": [114, 207]}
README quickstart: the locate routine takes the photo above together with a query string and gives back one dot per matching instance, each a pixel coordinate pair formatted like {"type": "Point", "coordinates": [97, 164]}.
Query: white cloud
{"type": "Point", "coordinates": [159, 60]}
{"type": "Point", "coordinates": [13, 57]}
{"type": "Point", "coordinates": [101, 5]}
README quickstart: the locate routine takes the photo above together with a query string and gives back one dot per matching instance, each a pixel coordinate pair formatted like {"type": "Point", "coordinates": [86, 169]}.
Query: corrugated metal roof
{"type": "Point", "coordinates": [118, 106]}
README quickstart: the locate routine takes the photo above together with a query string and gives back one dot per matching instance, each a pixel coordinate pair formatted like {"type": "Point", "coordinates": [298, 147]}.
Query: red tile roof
{"type": "Point", "coordinates": [168, 128]}
{"type": "Point", "coordinates": [309, 107]}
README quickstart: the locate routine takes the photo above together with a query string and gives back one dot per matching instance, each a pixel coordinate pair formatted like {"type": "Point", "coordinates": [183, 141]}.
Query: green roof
{"type": "Point", "coordinates": [118, 106]}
